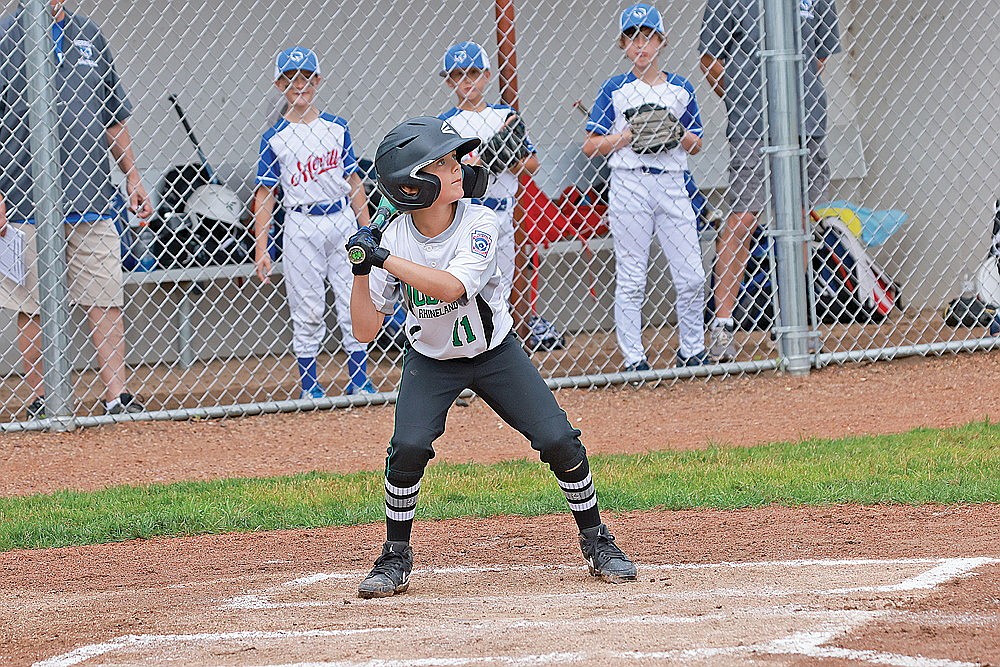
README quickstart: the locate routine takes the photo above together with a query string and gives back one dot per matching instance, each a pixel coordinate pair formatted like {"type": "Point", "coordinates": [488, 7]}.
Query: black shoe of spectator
{"type": "Point", "coordinates": [36, 409]}
{"type": "Point", "coordinates": [127, 403]}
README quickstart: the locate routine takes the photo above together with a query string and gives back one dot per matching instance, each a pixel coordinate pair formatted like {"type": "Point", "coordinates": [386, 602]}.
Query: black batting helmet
{"type": "Point", "coordinates": [408, 148]}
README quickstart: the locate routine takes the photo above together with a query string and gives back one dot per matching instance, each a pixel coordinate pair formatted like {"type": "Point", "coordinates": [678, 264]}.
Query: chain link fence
{"type": "Point", "coordinates": [841, 193]}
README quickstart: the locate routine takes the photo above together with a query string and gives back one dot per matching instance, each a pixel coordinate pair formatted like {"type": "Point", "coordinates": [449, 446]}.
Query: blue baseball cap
{"type": "Point", "coordinates": [464, 55]}
{"type": "Point", "coordinates": [642, 16]}
{"type": "Point", "coordinates": [295, 58]}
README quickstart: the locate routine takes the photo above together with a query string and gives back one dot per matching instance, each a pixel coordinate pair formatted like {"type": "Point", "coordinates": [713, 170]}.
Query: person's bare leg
{"type": "Point", "coordinates": [29, 342]}
{"type": "Point", "coordinates": [107, 331]}
{"type": "Point", "coordinates": [734, 251]}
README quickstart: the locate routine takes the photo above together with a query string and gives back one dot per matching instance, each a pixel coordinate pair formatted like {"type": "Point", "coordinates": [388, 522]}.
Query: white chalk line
{"type": "Point", "coordinates": [809, 644]}
{"type": "Point", "coordinates": [944, 570]}
{"type": "Point", "coordinates": [643, 567]}
{"type": "Point", "coordinates": [84, 653]}
{"type": "Point", "coordinates": [949, 569]}
{"type": "Point", "coordinates": [132, 642]}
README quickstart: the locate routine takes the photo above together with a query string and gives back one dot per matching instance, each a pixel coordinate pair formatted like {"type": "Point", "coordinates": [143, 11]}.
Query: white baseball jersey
{"type": "Point", "coordinates": [310, 161]}
{"type": "Point", "coordinates": [477, 322]}
{"type": "Point", "coordinates": [626, 91]}
{"type": "Point", "coordinates": [484, 124]}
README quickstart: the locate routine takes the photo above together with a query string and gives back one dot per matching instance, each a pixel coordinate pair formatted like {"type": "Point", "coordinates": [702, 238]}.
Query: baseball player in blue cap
{"type": "Point", "coordinates": [507, 152]}
{"type": "Point", "coordinates": [647, 122]}
{"type": "Point", "coordinates": [309, 155]}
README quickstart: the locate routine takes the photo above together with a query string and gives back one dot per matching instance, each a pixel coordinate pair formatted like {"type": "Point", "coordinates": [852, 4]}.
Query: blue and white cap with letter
{"type": "Point", "coordinates": [642, 16]}
{"type": "Point", "coordinates": [295, 58]}
{"type": "Point", "coordinates": [464, 55]}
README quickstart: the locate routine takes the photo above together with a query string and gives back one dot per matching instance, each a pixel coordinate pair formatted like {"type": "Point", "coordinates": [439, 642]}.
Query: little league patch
{"type": "Point", "coordinates": [481, 242]}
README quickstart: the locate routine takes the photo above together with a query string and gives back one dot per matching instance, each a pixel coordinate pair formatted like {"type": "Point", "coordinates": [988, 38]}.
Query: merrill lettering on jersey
{"type": "Point", "coordinates": [315, 166]}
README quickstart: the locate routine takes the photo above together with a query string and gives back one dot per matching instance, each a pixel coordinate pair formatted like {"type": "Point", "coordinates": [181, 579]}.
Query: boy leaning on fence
{"type": "Point", "coordinates": [647, 122]}
{"type": "Point", "coordinates": [93, 109]}
{"type": "Point", "coordinates": [310, 156]}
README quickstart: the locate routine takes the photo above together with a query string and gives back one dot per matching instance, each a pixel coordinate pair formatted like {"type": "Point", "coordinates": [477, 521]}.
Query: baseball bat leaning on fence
{"type": "Point", "coordinates": [212, 178]}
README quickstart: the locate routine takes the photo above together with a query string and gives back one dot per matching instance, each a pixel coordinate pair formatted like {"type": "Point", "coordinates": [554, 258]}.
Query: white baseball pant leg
{"type": "Point", "coordinates": [506, 249]}
{"type": "Point", "coordinates": [642, 205]}
{"type": "Point", "coordinates": [307, 259]}
{"type": "Point", "coordinates": [339, 275]}
{"type": "Point", "coordinates": [677, 232]}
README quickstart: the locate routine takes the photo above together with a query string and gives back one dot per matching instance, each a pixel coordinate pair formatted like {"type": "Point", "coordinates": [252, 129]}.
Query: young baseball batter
{"type": "Point", "coordinates": [647, 122]}
{"type": "Point", "coordinates": [441, 259]}
{"type": "Point", "coordinates": [310, 156]}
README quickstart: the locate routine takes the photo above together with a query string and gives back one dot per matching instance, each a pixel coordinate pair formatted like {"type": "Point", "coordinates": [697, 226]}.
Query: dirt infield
{"type": "Point", "coordinates": [842, 585]}
{"type": "Point", "coordinates": [775, 586]}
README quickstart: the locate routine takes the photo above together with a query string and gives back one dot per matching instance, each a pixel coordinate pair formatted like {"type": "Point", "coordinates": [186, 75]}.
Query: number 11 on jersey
{"type": "Point", "coordinates": [466, 326]}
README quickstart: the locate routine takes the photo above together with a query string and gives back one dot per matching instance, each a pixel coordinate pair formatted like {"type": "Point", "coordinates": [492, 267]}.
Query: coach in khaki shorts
{"type": "Point", "coordinates": [730, 45]}
{"type": "Point", "coordinates": [93, 109]}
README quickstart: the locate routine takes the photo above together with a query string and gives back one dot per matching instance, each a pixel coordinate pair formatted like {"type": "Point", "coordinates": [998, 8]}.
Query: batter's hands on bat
{"type": "Point", "coordinates": [655, 129]}
{"type": "Point", "coordinates": [364, 251]}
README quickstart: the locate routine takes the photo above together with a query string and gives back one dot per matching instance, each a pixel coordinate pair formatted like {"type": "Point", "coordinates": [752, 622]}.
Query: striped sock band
{"type": "Point", "coordinates": [580, 495]}
{"type": "Point", "coordinates": [578, 487]}
{"type": "Point", "coordinates": [400, 507]}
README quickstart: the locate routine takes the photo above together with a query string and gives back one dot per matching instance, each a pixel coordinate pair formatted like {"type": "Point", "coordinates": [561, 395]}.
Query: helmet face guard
{"type": "Point", "coordinates": [410, 147]}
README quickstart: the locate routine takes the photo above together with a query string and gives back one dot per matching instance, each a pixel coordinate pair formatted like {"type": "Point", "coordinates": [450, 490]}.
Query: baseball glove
{"type": "Point", "coordinates": [654, 128]}
{"type": "Point", "coordinates": [505, 148]}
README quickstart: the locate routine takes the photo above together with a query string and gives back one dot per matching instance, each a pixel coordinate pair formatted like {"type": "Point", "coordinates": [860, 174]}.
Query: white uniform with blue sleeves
{"type": "Point", "coordinates": [474, 324]}
{"type": "Point", "coordinates": [502, 193]}
{"type": "Point", "coordinates": [311, 163]}
{"type": "Point", "coordinates": [647, 197]}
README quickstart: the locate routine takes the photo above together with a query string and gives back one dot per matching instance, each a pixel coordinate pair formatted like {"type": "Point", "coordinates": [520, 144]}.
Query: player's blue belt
{"type": "Point", "coordinates": [494, 203]}
{"type": "Point", "coordinates": [320, 209]}
{"type": "Point", "coordinates": [652, 170]}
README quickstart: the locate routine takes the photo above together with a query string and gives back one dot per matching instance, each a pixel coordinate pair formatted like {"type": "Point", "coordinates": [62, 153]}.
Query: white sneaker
{"type": "Point", "coordinates": [721, 345]}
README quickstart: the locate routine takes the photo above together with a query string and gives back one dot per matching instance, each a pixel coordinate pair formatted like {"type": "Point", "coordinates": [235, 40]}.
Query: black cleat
{"type": "Point", "coordinates": [36, 409]}
{"type": "Point", "coordinates": [604, 557]}
{"type": "Point", "coordinates": [127, 404]}
{"type": "Point", "coordinates": [391, 574]}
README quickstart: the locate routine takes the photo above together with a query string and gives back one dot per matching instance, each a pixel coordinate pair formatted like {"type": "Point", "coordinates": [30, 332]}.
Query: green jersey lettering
{"type": "Point", "coordinates": [466, 326]}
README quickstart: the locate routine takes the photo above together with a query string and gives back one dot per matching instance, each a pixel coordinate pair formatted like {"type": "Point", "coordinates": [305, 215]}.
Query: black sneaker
{"type": "Point", "coordinates": [127, 403]}
{"type": "Point", "coordinates": [604, 557]}
{"type": "Point", "coordinates": [544, 336]}
{"type": "Point", "coordinates": [391, 574]}
{"type": "Point", "coordinates": [637, 367]}
{"type": "Point", "coordinates": [36, 409]}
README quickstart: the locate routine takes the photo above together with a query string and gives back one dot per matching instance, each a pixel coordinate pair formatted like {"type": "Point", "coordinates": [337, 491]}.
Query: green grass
{"type": "Point", "coordinates": [958, 465]}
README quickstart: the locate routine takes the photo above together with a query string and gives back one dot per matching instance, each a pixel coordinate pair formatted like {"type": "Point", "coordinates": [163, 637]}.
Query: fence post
{"type": "Point", "coordinates": [782, 58]}
{"type": "Point", "coordinates": [50, 237]}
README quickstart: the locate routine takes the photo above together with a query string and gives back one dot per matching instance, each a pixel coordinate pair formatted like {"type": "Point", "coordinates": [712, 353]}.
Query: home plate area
{"type": "Point", "coordinates": [760, 613]}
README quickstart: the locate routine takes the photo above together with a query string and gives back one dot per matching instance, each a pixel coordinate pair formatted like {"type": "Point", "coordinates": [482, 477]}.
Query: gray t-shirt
{"type": "Point", "coordinates": [731, 32]}
{"type": "Point", "coordinates": [90, 99]}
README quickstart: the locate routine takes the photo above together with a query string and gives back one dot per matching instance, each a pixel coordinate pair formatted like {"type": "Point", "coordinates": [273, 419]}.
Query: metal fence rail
{"type": "Point", "coordinates": [852, 258]}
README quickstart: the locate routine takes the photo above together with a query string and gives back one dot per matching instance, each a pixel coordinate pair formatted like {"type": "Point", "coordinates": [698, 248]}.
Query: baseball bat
{"type": "Point", "coordinates": [385, 214]}
{"type": "Point", "coordinates": [212, 178]}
